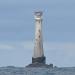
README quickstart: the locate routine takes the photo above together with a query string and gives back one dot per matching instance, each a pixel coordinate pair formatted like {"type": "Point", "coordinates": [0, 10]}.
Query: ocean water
{"type": "Point", "coordinates": [10, 70]}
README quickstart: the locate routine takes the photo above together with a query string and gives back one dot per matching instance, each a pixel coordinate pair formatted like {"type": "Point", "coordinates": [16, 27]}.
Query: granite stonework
{"type": "Point", "coordinates": [38, 52]}
{"type": "Point", "coordinates": [39, 60]}
{"type": "Point", "coordinates": [37, 71]}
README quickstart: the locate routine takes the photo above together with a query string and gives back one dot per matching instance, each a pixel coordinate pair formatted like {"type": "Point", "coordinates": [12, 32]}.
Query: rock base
{"type": "Point", "coordinates": [37, 65]}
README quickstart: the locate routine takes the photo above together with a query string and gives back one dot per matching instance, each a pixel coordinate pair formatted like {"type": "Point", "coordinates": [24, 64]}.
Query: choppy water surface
{"type": "Point", "coordinates": [36, 71]}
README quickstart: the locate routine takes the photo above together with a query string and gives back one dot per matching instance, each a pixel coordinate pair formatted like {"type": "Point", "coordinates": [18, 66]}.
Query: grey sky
{"type": "Point", "coordinates": [17, 31]}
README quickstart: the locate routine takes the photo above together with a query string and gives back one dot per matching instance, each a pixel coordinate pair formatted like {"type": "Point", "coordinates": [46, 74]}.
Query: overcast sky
{"type": "Point", "coordinates": [17, 31]}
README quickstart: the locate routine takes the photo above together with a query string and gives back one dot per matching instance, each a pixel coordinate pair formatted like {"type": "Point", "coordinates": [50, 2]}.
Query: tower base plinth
{"type": "Point", "coordinates": [39, 60]}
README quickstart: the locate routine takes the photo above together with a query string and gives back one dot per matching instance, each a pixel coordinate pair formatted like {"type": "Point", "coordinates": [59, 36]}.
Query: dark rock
{"type": "Point", "coordinates": [40, 65]}
{"type": "Point", "coordinates": [51, 65]}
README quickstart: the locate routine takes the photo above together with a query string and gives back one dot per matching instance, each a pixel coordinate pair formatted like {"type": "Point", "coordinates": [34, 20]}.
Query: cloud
{"type": "Point", "coordinates": [60, 53]}
{"type": "Point", "coordinates": [65, 48]}
{"type": "Point", "coordinates": [61, 45]}
{"type": "Point", "coordinates": [27, 45]}
{"type": "Point", "coordinates": [6, 47]}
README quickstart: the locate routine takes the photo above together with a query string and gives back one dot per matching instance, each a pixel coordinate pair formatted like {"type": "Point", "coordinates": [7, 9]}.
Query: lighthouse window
{"type": "Point", "coordinates": [39, 31]}
{"type": "Point", "coordinates": [39, 21]}
{"type": "Point", "coordinates": [39, 36]}
{"type": "Point", "coordinates": [36, 39]}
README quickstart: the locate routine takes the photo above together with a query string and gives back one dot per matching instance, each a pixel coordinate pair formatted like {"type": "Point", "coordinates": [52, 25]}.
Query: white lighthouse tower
{"type": "Point", "coordinates": [38, 53]}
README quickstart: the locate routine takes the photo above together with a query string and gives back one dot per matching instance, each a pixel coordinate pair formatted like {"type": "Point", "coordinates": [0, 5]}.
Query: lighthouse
{"type": "Point", "coordinates": [38, 52]}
